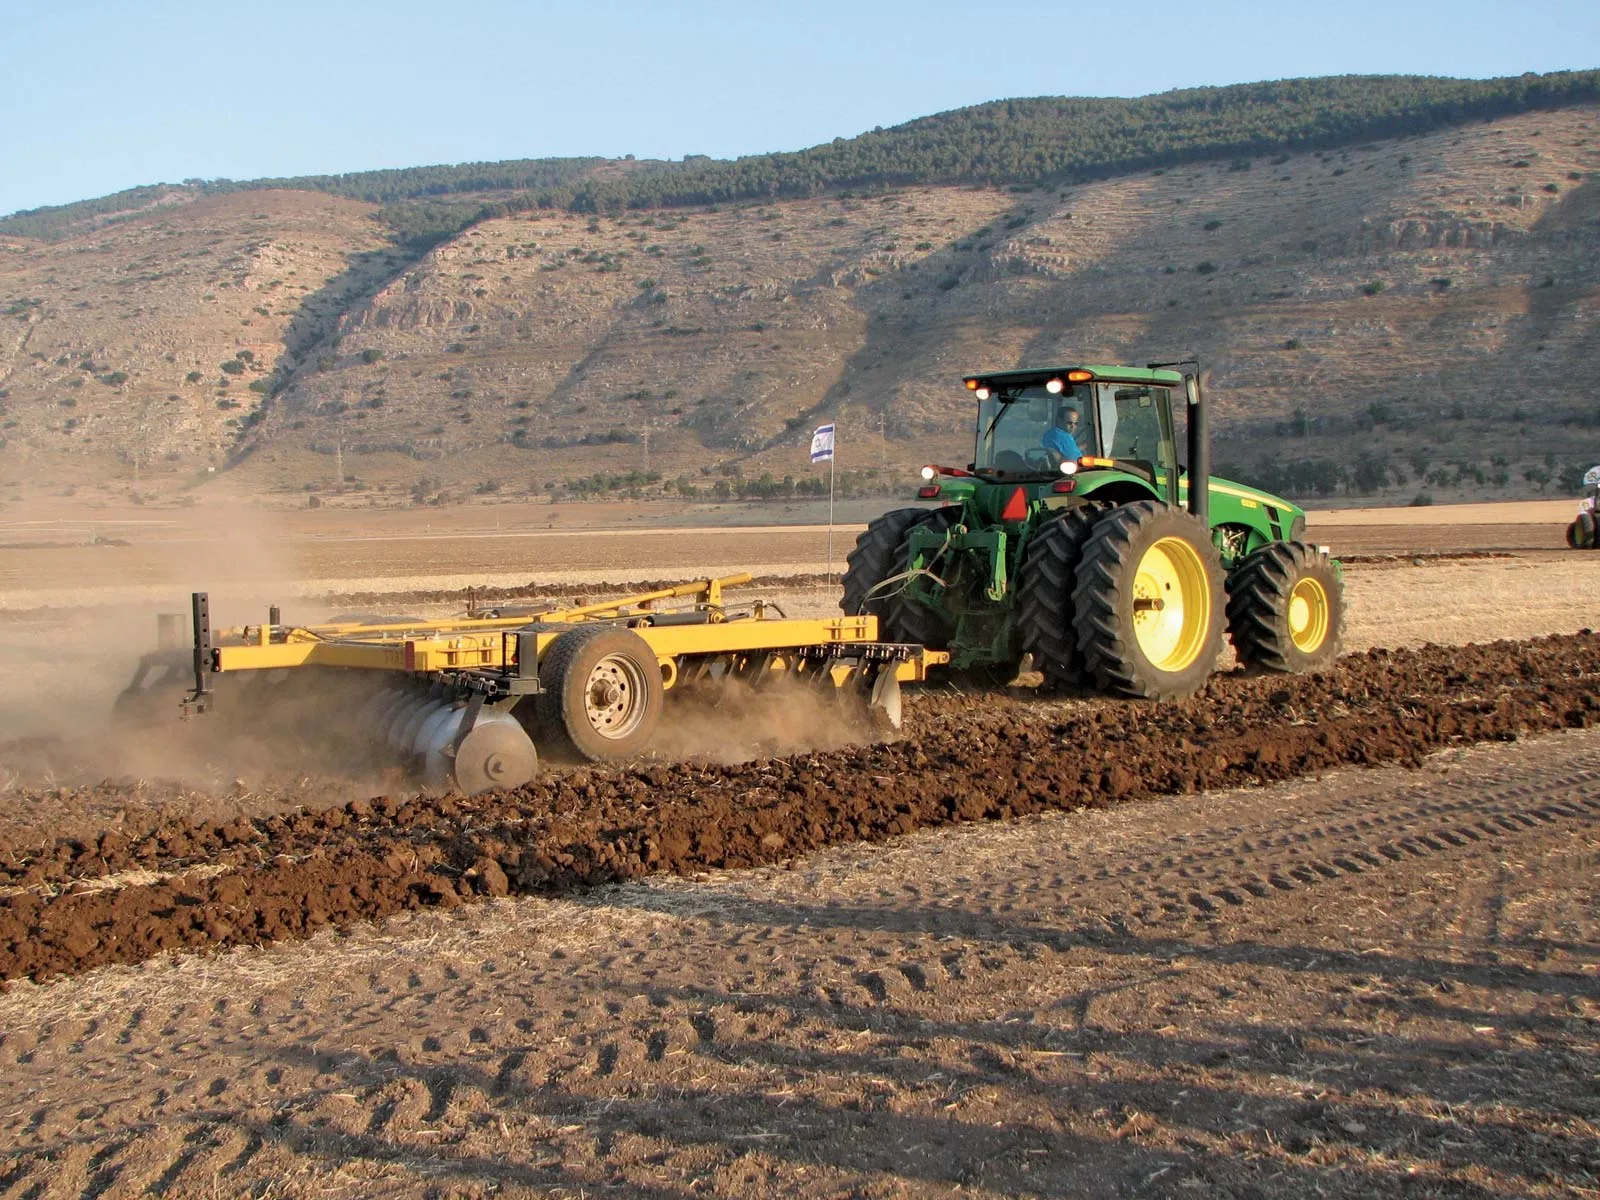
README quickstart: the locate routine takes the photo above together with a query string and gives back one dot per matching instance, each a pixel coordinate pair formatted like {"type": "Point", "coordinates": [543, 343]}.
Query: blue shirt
{"type": "Point", "coordinates": [1063, 443]}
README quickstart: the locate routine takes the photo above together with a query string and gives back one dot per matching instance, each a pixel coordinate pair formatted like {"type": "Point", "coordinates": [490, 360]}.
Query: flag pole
{"type": "Point", "coordinates": [824, 442]}
{"type": "Point", "coordinates": [828, 575]}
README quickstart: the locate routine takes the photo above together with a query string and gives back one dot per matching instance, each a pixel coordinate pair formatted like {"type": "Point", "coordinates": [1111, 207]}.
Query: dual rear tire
{"type": "Point", "coordinates": [874, 582]}
{"type": "Point", "coordinates": [1147, 602]}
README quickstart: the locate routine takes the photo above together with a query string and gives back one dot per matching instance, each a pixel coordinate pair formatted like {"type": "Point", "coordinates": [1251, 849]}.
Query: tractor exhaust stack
{"type": "Point", "coordinates": [1199, 451]}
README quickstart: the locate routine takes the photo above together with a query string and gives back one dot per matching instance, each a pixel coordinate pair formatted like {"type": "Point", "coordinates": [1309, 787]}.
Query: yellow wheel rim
{"type": "Point", "coordinates": [1171, 604]}
{"type": "Point", "coordinates": [1308, 615]}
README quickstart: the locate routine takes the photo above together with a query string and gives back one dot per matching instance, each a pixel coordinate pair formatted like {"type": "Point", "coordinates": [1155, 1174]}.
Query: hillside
{"type": "Point", "coordinates": [1049, 140]}
{"type": "Point", "coordinates": [1427, 303]}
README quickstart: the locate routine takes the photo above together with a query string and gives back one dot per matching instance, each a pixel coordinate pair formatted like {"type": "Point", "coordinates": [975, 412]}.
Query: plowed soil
{"type": "Point", "coordinates": [968, 758]}
{"type": "Point", "coordinates": [1030, 947]}
{"type": "Point", "coordinates": [1379, 982]}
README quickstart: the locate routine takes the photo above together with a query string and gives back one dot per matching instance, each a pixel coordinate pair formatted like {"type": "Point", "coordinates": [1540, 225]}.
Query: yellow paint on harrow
{"type": "Point", "coordinates": [492, 643]}
{"type": "Point", "coordinates": [462, 699]}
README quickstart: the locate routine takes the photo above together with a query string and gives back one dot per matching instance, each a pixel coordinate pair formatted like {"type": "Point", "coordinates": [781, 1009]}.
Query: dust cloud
{"type": "Point", "coordinates": [734, 722]}
{"type": "Point", "coordinates": [80, 597]}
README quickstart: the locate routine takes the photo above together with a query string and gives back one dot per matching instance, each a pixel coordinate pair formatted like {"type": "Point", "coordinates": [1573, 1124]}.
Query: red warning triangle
{"type": "Point", "coordinates": [1016, 508]}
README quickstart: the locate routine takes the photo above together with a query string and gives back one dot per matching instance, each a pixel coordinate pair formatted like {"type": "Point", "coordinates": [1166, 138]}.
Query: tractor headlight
{"type": "Point", "coordinates": [1069, 467]}
{"type": "Point", "coordinates": [928, 472]}
{"type": "Point", "coordinates": [1054, 387]}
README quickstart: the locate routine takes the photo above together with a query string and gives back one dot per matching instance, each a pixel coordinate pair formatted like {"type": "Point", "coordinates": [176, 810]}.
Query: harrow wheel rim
{"type": "Point", "coordinates": [1308, 615]}
{"type": "Point", "coordinates": [1171, 604]}
{"type": "Point", "coordinates": [615, 696]}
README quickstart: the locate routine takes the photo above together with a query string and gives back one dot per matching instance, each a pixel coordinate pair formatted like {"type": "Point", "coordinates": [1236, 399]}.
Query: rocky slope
{"type": "Point", "coordinates": [1431, 300]}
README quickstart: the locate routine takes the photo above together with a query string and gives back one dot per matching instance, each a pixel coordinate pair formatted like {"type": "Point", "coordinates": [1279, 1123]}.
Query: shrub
{"type": "Point", "coordinates": [1373, 288]}
{"type": "Point", "coordinates": [233, 367]}
{"type": "Point", "coordinates": [1206, 268]}
{"type": "Point", "coordinates": [371, 354]}
{"type": "Point", "coordinates": [115, 379]}
{"type": "Point", "coordinates": [1422, 500]}
{"type": "Point", "coordinates": [1211, 225]}
{"type": "Point", "coordinates": [1292, 344]}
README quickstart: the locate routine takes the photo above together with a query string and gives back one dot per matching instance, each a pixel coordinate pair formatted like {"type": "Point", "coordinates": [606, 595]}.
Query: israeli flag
{"type": "Point", "coordinates": [822, 444]}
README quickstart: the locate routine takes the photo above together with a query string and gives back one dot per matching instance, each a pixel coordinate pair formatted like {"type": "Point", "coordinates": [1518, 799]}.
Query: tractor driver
{"type": "Point", "coordinates": [1062, 436]}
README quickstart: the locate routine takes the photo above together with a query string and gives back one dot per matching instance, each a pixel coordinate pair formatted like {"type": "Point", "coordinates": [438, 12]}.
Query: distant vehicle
{"type": "Point", "coordinates": [1581, 533]}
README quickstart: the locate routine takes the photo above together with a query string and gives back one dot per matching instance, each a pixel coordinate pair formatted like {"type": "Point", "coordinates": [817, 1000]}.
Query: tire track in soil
{"type": "Point", "coordinates": [971, 758]}
{"type": "Point", "coordinates": [1224, 874]}
{"type": "Point", "coordinates": [609, 1105]}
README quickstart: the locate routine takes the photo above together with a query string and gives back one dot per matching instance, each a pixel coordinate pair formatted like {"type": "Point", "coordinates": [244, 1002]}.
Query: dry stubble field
{"type": "Point", "coordinates": [1292, 977]}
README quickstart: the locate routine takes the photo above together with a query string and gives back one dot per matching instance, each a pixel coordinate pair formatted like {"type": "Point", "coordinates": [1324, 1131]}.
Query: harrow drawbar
{"type": "Point", "coordinates": [470, 702]}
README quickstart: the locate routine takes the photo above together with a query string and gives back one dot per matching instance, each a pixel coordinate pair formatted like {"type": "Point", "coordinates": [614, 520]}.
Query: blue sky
{"type": "Point", "coordinates": [102, 96]}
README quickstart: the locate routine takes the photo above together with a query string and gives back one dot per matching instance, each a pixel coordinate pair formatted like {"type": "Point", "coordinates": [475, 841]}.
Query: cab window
{"type": "Point", "coordinates": [1130, 421]}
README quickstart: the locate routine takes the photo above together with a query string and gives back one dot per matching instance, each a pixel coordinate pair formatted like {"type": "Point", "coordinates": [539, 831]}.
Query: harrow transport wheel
{"type": "Point", "coordinates": [602, 693]}
{"type": "Point", "coordinates": [1148, 603]}
{"type": "Point", "coordinates": [1286, 609]}
{"type": "Point", "coordinates": [1045, 626]}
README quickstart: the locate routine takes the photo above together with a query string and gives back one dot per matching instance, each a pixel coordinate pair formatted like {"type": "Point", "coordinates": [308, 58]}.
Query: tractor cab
{"type": "Point", "coordinates": [1041, 429]}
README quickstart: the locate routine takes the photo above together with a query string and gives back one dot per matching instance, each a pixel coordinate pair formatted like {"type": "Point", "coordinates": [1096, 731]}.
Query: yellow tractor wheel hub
{"type": "Point", "coordinates": [1308, 615]}
{"type": "Point", "coordinates": [1171, 604]}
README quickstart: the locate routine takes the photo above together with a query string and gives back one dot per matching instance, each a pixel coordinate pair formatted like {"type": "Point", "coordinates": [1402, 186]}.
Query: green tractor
{"type": "Point", "coordinates": [1077, 536]}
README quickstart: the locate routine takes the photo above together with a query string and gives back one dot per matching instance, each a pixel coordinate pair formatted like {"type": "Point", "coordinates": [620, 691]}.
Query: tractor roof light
{"type": "Point", "coordinates": [1054, 387]}
{"type": "Point", "coordinates": [972, 385]}
{"type": "Point", "coordinates": [981, 393]}
{"type": "Point", "coordinates": [1079, 376]}
{"type": "Point", "coordinates": [928, 472]}
{"type": "Point", "coordinates": [1068, 467]}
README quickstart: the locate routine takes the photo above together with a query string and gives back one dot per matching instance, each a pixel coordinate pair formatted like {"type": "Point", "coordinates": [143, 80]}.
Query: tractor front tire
{"type": "Point", "coordinates": [1581, 533]}
{"type": "Point", "coordinates": [1045, 626]}
{"type": "Point", "coordinates": [1286, 609]}
{"type": "Point", "coordinates": [1148, 602]}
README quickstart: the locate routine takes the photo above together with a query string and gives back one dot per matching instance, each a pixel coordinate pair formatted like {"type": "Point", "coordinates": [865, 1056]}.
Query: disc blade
{"type": "Point", "coordinates": [886, 696]}
{"type": "Point", "coordinates": [496, 754]}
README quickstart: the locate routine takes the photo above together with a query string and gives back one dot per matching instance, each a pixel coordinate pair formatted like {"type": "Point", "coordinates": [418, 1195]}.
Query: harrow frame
{"type": "Point", "coordinates": [491, 665]}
